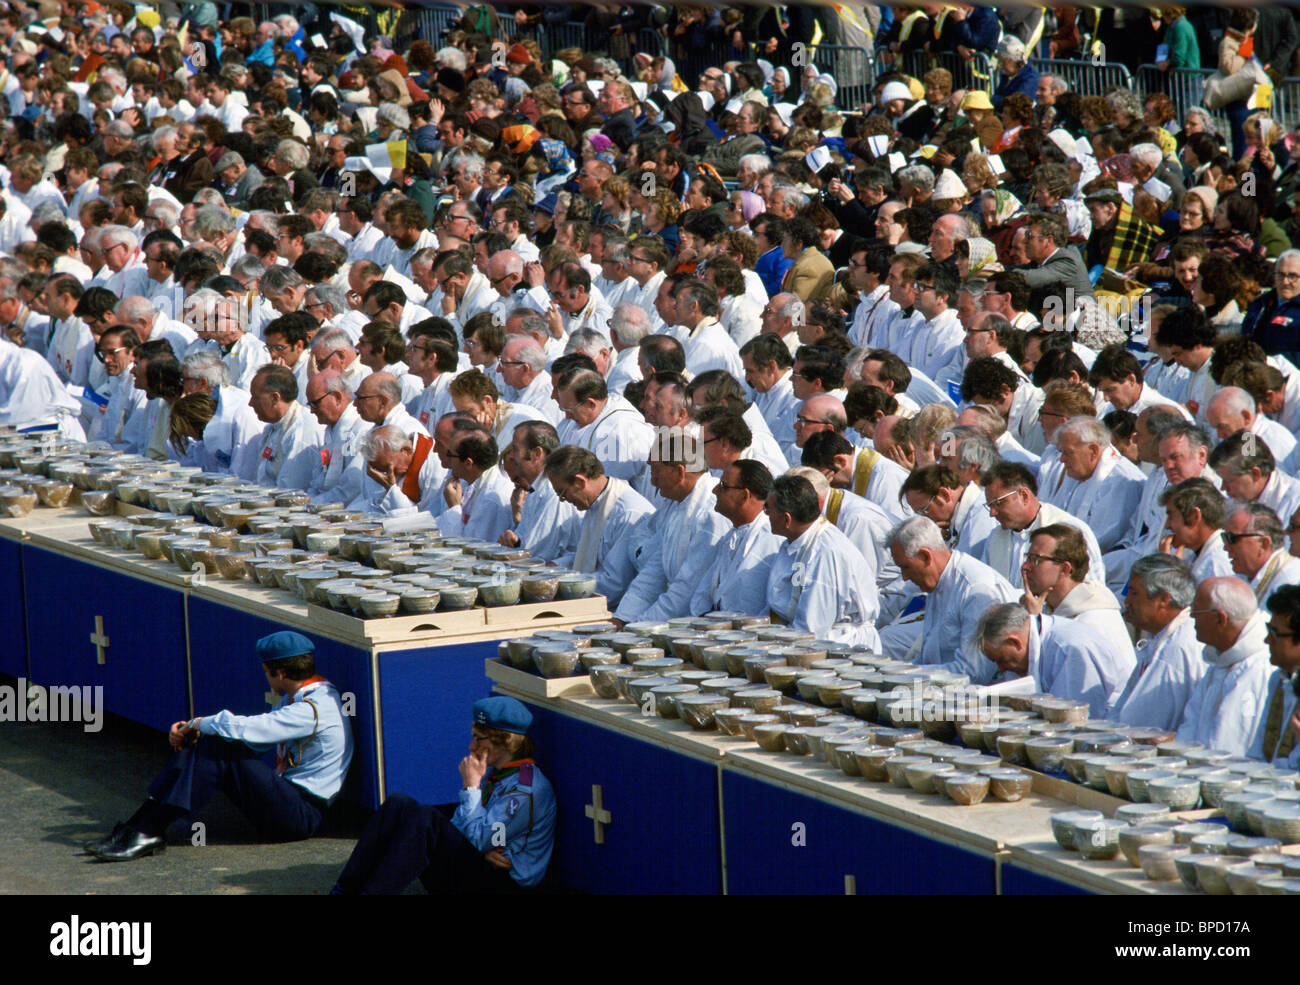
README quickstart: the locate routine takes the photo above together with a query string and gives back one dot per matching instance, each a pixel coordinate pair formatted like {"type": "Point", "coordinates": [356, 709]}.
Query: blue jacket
{"type": "Point", "coordinates": [1274, 324]}
{"type": "Point", "coordinates": [980, 29]}
{"type": "Point", "coordinates": [1026, 81]}
{"type": "Point", "coordinates": [771, 268]}
{"type": "Point", "coordinates": [518, 817]}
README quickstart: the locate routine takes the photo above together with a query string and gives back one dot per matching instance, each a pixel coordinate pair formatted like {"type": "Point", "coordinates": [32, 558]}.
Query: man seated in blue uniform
{"type": "Point", "coordinates": [307, 729]}
{"type": "Point", "coordinates": [498, 841]}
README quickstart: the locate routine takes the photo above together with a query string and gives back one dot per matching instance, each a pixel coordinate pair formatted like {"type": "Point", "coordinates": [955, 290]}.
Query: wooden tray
{"type": "Point", "coordinates": [534, 685]}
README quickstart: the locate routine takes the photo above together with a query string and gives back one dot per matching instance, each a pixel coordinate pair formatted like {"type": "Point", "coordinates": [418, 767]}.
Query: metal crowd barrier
{"type": "Point", "coordinates": [975, 73]}
{"type": "Point", "coordinates": [853, 69]}
{"type": "Point", "coordinates": [1185, 87]}
{"type": "Point", "coordinates": [1084, 76]}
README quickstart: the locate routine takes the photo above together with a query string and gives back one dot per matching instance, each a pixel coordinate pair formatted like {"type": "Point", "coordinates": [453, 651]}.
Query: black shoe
{"type": "Point", "coordinates": [130, 845]}
{"type": "Point", "coordinates": [103, 844]}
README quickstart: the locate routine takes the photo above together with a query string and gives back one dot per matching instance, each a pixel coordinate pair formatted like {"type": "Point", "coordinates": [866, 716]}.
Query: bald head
{"type": "Point", "coordinates": [376, 395]}
{"type": "Point", "coordinates": [1231, 409]}
{"type": "Point", "coordinates": [1223, 607]}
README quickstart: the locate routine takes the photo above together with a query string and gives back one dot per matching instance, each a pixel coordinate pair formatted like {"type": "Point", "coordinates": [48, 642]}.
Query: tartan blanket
{"type": "Point", "coordinates": [1134, 241]}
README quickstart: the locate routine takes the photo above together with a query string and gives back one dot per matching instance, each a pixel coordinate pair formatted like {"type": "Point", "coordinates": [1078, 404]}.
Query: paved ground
{"type": "Point", "coordinates": [63, 787]}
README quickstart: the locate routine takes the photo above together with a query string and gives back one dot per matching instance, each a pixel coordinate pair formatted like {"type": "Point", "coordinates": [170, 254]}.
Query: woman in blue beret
{"type": "Point", "coordinates": [498, 841]}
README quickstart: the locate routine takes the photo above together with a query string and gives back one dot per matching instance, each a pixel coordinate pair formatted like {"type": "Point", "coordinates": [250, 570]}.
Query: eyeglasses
{"type": "Point", "coordinates": [317, 402]}
{"type": "Point", "coordinates": [1270, 631]}
{"type": "Point", "coordinates": [1034, 560]}
{"type": "Point", "coordinates": [806, 422]}
{"type": "Point", "coordinates": [994, 504]}
{"type": "Point", "coordinates": [1233, 538]}
{"type": "Point", "coordinates": [509, 362]}
{"type": "Point", "coordinates": [723, 485]}
{"type": "Point", "coordinates": [919, 287]}
{"type": "Point", "coordinates": [278, 348]}
{"type": "Point", "coordinates": [366, 396]}
{"type": "Point", "coordinates": [103, 354]}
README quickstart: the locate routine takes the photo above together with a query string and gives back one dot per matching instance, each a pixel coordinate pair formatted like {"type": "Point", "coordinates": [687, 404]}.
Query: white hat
{"type": "Point", "coordinates": [949, 186]}
{"type": "Point", "coordinates": [1063, 140]}
{"type": "Point", "coordinates": [1013, 48]}
{"type": "Point", "coordinates": [895, 90]}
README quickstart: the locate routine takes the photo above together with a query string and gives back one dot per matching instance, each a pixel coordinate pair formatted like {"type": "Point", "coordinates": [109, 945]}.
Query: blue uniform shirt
{"type": "Point", "coordinates": [520, 809]}
{"type": "Point", "coordinates": [309, 729]}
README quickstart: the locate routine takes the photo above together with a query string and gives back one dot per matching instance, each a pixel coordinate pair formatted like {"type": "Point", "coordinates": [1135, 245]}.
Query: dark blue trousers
{"type": "Point", "coordinates": [280, 809]}
{"type": "Point", "coordinates": [406, 840]}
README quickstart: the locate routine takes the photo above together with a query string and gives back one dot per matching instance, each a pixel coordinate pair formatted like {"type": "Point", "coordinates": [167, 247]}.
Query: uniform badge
{"type": "Point", "coordinates": [512, 806]}
{"type": "Point", "coordinates": [266, 453]}
{"type": "Point", "coordinates": [325, 457]}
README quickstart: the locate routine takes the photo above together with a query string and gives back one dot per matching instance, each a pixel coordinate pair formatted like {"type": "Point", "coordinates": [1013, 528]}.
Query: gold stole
{"type": "Point", "coordinates": [833, 504]}
{"type": "Point", "coordinates": [867, 459]}
{"type": "Point", "coordinates": [1274, 727]}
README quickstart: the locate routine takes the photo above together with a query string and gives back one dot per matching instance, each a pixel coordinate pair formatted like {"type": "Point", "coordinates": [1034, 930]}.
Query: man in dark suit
{"type": "Point", "coordinates": [195, 170]}
{"type": "Point", "coordinates": [618, 102]}
{"type": "Point", "coordinates": [1058, 269]}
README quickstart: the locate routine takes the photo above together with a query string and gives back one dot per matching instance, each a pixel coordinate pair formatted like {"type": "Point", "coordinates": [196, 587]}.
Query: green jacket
{"type": "Point", "coordinates": [1184, 51]}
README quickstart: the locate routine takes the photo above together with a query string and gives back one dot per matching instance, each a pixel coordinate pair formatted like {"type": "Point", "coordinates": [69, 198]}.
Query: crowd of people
{"type": "Point", "coordinates": [1002, 381]}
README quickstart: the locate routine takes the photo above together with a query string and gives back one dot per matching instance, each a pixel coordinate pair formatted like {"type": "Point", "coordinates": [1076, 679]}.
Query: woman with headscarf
{"type": "Point", "coordinates": [1002, 214]}
{"type": "Point", "coordinates": [742, 206]}
{"type": "Point", "coordinates": [1234, 227]}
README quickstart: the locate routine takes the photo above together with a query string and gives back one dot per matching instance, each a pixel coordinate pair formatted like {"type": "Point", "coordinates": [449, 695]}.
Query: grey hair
{"type": "Point", "coordinates": [280, 278]}
{"type": "Point", "coordinates": [821, 485]}
{"type": "Point", "coordinates": [588, 341]}
{"type": "Point", "coordinates": [331, 338]}
{"type": "Point", "coordinates": [617, 250]}
{"type": "Point", "coordinates": [387, 438]}
{"type": "Point", "coordinates": [207, 365]}
{"type": "Point", "coordinates": [472, 164]}
{"type": "Point", "coordinates": [511, 261]}
{"type": "Point", "coordinates": [975, 446]}
{"type": "Point", "coordinates": [1263, 520]}
{"type": "Point", "coordinates": [166, 211]}
{"type": "Point", "coordinates": [1147, 153]}
{"type": "Point", "coordinates": [918, 176]}
{"type": "Point", "coordinates": [391, 389]}
{"type": "Point", "coordinates": [210, 219]}
{"type": "Point", "coordinates": [1164, 574]}
{"type": "Point", "coordinates": [1085, 430]}
{"type": "Point", "coordinates": [991, 420]}
{"type": "Point", "coordinates": [1057, 84]}
{"type": "Point", "coordinates": [292, 153]}
{"type": "Point", "coordinates": [248, 268]}
{"type": "Point", "coordinates": [1233, 400]}
{"type": "Point", "coordinates": [530, 352]}
{"type": "Point", "coordinates": [263, 219]}
{"type": "Point", "coordinates": [854, 361]}
{"type": "Point", "coordinates": [976, 287]}
{"type": "Point", "coordinates": [1204, 114]}
{"type": "Point", "coordinates": [49, 212]}
{"type": "Point", "coordinates": [134, 309]}
{"type": "Point", "coordinates": [917, 533]}
{"type": "Point", "coordinates": [452, 58]}
{"type": "Point", "coordinates": [531, 321]}
{"type": "Point", "coordinates": [1001, 621]}
{"type": "Point", "coordinates": [161, 134]}
{"type": "Point", "coordinates": [333, 382]}
{"type": "Point", "coordinates": [629, 324]}
{"type": "Point", "coordinates": [208, 196]}
{"type": "Point", "coordinates": [112, 235]}
{"type": "Point", "coordinates": [793, 308]}
{"type": "Point", "coordinates": [331, 294]}
{"type": "Point", "coordinates": [790, 195]}
{"type": "Point", "coordinates": [1126, 100]}
{"type": "Point", "coordinates": [760, 164]}
{"type": "Point", "coordinates": [1234, 598]}
{"type": "Point", "coordinates": [204, 301]}
{"type": "Point", "coordinates": [1292, 254]}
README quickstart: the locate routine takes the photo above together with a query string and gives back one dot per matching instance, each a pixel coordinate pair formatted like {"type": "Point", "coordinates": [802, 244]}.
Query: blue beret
{"type": "Point", "coordinates": [505, 714]}
{"type": "Point", "coordinates": [285, 643]}
{"type": "Point", "coordinates": [547, 203]}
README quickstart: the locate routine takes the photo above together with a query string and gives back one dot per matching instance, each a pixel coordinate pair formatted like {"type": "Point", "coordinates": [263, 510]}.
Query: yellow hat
{"type": "Point", "coordinates": [148, 18]}
{"type": "Point", "coordinates": [918, 90]}
{"type": "Point", "coordinates": [977, 99]}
